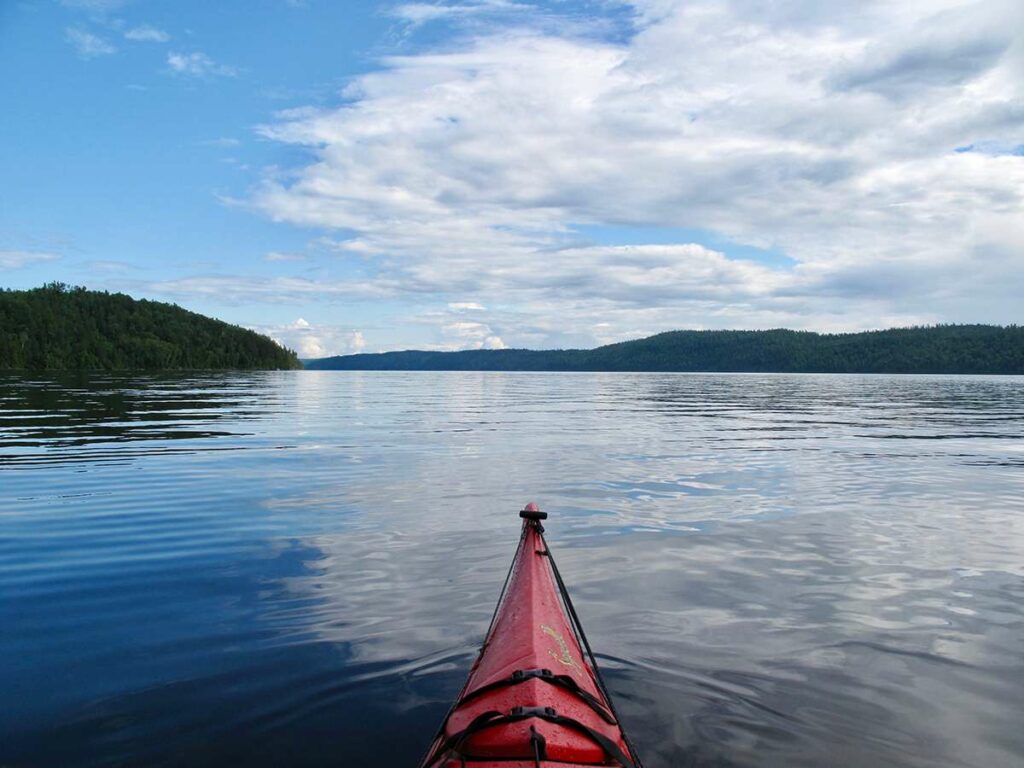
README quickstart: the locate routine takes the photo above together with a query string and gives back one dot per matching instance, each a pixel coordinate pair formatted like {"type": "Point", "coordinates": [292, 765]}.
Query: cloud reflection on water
{"type": "Point", "coordinates": [771, 576]}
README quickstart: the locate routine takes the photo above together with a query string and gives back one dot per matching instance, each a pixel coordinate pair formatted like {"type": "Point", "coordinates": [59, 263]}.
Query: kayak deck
{"type": "Point", "coordinates": [533, 697]}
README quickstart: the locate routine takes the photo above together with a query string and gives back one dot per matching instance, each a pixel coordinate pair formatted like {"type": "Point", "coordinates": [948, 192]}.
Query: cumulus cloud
{"type": "Point", "coordinates": [311, 341]}
{"type": "Point", "coordinates": [464, 334]}
{"type": "Point", "coordinates": [830, 138]}
{"type": "Point", "coordinates": [198, 64]}
{"type": "Point", "coordinates": [463, 325]}
{"type": "Point", "coordinates": [19, 259]}
{"type": "Point", "coordinates": [147, 34]}
{"type": "Point", "coordinates": [88, 45]}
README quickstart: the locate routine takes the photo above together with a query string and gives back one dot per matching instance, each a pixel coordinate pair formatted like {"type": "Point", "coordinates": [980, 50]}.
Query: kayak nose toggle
{"type": "Point", "coordinates": [532, 512]}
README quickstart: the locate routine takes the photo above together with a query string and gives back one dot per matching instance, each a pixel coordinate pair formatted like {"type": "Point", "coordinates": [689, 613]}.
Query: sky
{"type": "Point", "coordinates": [357, 176]}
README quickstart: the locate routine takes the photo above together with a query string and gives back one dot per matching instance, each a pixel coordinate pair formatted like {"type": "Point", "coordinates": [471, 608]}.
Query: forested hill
{"type": "Point", "coordinates": [62, 328]}
{"type": "Point", "coordinates": [938, 349]}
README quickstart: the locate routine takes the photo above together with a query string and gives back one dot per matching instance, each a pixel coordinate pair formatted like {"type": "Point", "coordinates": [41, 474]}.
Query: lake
{"type": "Point", "coordinates": [297, 568]}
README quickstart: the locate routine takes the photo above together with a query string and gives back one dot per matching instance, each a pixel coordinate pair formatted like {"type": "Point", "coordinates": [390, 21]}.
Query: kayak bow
{"type": "Point", "coordinates": [534, 698]}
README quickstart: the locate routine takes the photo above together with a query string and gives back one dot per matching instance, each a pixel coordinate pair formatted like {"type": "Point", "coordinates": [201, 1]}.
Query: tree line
{"type": "Point", "coordinates": [926, 349]}
{"type": "Point", "coordinates": [58, 327]}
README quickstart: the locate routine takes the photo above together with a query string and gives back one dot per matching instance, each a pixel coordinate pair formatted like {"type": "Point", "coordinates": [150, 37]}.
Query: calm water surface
{"type": "Point", "coordinates": [296, 569]}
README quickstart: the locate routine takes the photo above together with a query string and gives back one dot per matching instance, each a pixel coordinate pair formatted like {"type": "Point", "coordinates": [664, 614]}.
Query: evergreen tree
{"type": "Point", "coordinates": [934, 349]}
{"type": "Point", "coordinates": [58, 327]}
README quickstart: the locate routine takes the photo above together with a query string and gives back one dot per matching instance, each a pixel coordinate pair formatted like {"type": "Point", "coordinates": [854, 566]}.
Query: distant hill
{"type": "Point", "coordinates": [937, 349]}
{"type": "Point", "coordinates": [60, 328]}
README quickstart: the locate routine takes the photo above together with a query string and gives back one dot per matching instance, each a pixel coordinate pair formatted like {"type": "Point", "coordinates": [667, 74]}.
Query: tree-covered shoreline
{"type": "Point", "coordinates": [950, 349]}
{"type": "Point", "coordinates": [58, 327]}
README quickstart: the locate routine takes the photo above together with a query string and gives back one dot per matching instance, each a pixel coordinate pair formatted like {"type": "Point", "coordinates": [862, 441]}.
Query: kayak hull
{"type": "Point", "coordinates": [533, 697]}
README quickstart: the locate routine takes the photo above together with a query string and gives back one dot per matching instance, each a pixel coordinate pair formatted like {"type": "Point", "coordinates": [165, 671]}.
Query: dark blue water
{"type": "Point", "coordinates": [296, 568]}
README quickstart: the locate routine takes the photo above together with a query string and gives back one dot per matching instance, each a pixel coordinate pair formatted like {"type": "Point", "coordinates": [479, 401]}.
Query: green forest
{"type": "Point", "coordinates": [58, 327]}
{"type": "Point", "coordinates": [933, 349]}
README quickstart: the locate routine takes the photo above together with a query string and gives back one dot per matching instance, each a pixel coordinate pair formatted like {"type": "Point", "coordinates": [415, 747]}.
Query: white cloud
{"type": "Point", "coordinates": [311, 341]}
{"type": "Point", "coordinates": [96, 6]}
{"type": "Point", "coordinates": [198, 64]}
{"type": "Point", "coordinates": [147, 34]}
{"type": "Point", "coordinates": [88, 45]}
{"type": "Point", "coordinates": [239, 289]}
{"type": "Point", "coordinates": [422, 13]}
{"type": "Point", "coordinates": [461, 325]}
{"type": "Point", "coordinates": [278, 256]}
{"type": "Point", "coordinates": [470, 335]}
{"type": "Point", "coordinates": [112, 266]}
{"type": "Point", "coordinates": [829, 137]}
{"type": "Point", "coordinates": [19, 259]}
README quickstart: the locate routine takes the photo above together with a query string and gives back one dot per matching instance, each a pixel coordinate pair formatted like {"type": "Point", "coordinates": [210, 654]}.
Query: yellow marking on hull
{"type": "Point", "coordinates": [563, 657]}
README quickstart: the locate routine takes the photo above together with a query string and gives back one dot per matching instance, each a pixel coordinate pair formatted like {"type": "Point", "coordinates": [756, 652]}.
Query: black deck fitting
{"type": "Point", "coordinates": [532, 513]}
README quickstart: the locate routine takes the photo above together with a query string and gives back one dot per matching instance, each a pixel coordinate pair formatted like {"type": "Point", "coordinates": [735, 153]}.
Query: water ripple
{"type": "Point", "coordinates": [296, 568]}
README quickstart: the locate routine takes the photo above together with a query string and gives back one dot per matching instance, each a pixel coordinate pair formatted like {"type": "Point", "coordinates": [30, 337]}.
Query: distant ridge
{"type": "Point", "coordinates": [57, 327]}
{"type": "Point", "coordinates": [933, 349]}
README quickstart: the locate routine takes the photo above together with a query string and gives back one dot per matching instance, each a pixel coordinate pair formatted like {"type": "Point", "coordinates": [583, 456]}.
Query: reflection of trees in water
{"type": "Point", "coordinates": [42, 414]}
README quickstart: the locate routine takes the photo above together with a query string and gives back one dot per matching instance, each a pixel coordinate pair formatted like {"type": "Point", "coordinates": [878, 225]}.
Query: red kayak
{"type": "Point", "coordinates": [533, 698]}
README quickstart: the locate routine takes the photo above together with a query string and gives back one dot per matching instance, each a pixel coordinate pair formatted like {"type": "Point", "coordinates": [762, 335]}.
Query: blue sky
{"type": "Point", "coordinates": [120, 165]}
{"type": "Point", "coordinates": [360, 176]}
